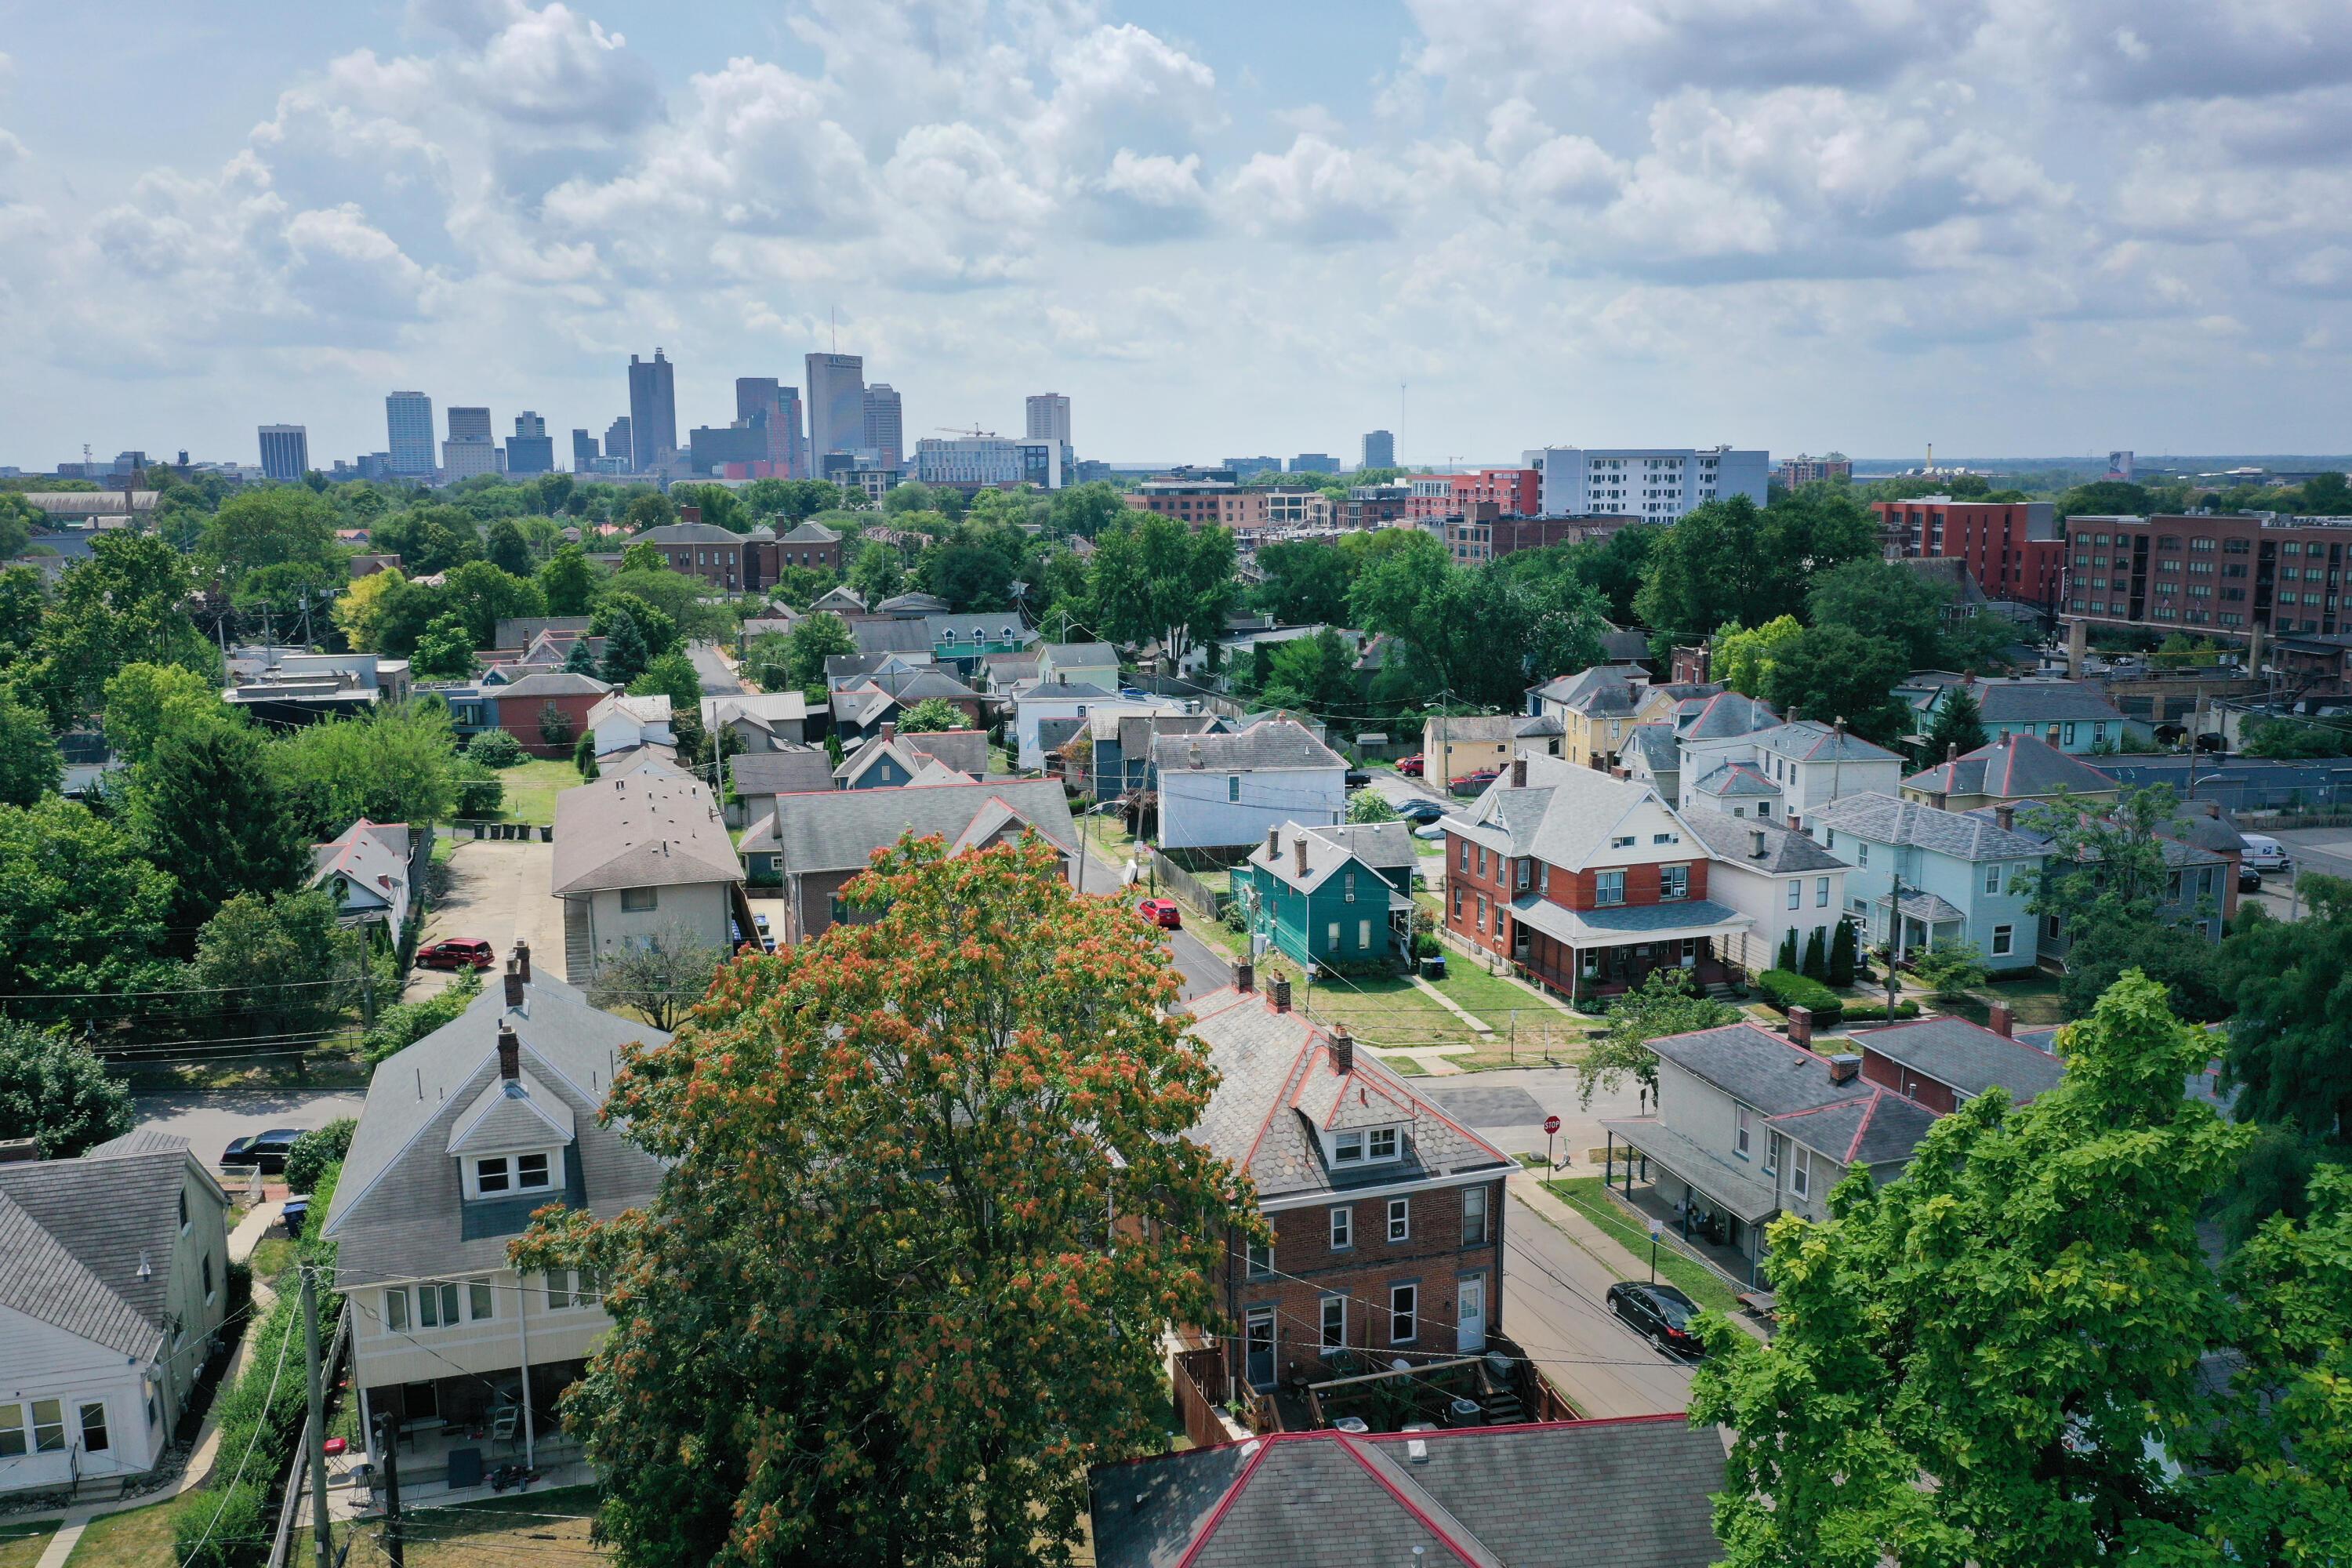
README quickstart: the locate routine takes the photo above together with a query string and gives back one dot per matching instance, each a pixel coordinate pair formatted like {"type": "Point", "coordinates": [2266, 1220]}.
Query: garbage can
{"type": "Point", "coordinates": [1434, 967]}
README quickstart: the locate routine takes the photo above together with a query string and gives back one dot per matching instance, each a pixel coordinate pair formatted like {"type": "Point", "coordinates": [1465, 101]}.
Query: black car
{"type": "Point", "coordinates": [1421, 811]}
{"type": "Point", "coordinates": [1660, 1313]}
{"type": "Point", "coordinates": [266, 1152]}
{"type": "Point", "coordinates": [2248, 880]}
{"type": "Point", "coordinates": [1358, 779]}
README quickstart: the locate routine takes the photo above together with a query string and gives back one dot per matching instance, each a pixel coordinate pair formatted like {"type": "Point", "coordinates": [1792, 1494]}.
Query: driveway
{"type": "Point", "coordinates": [498, 892]}
{"type": "Point", "coordinates": [209, 1118]}
{"type": "Point", "coordinates": [717, 681]}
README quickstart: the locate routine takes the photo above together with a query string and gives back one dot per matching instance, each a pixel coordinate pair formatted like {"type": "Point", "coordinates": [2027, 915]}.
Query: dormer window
{"type": "Point", "coordinates": [501, 1175]}
{"type": "Point", "coordinates": [1381, 1144]}
{"type": "Point", "coordinates": [1348, 1149]}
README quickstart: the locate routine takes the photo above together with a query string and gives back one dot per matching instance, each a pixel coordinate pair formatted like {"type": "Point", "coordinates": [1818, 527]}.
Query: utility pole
{"type": "Point", "coordinates": [317, 1435]}
{"type": "Point", "coordinates": [387, 1443]}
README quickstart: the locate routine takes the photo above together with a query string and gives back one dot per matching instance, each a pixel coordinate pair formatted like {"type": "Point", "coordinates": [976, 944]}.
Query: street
{"type": "Point", "coordinates": [1554, 1304]}
{"type": "Point", "coordinates": [717, 681]}
{"type": "Point", "coordinates": [211, 1119]}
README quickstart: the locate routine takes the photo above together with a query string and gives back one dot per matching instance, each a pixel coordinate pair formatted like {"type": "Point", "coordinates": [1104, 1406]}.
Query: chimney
{"type": "Point", "coordinates": [889, 730]}
{"type": "Point", "coordinates": [514, 983]}
{"type": "Point", "coordinates": [1277, 990]}
{"type": "Point", "coordinates": [510, 1055]}
{"type": "Point", "coordinates": [1519, 773]}
{"type": "Point", "coordinates": [2002, 1021]}
{"type": "Point", "coordinates": [2213, 809]}
{"type": "Point", "coordinates": [1343, 1049]}
{"type": "Point", "coordinates": [1299, 846]}
{"type": "Point", "coordinates": [1801, 1026]}
{"type": "Point", "coordinates": [1195, 757]}
{"type": "Point", "coordinates": [17, 1150]}
{"type": "Point", "coordinates": [1274, 844]}
{"type": "Point", "coordinates": [1244, 976]}
{"type": "Point", "coordinates": [1844, 1068]}
{"type": "Point", "coordinates": [1952, 752]}
{"type": "Point", "coordinates": [1755, 843]}
{"type": "Point", "coordinates": [2005, 815]}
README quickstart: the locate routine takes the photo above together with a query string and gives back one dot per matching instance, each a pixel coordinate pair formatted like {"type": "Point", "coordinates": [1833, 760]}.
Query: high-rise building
{"type": "Point", "coordinates": [470, 448]}
{"type": "Point", "coordinates": [408, 426]}
{"type": "Point", "coordinates": [1243, 468]}
{"type": "Point", "coordinates": [1380, 449]}
{"type": "Point", "coordinates": [1049, 417]}
{"type": "Point", "coordinates": [653, 412]}
{"type": "Point", "coordinates": [710, 448]}
{"type": "Point", "coordinates": [1314, 463]}
{"type": "Point", "coordinates": [1804, 468]}
{"type": "Point", "coordinates": [796, 458]}
{"type": "Point", "coordinates": [620, 445]}
{"type": "Point", "coordinates": [837, 406]}
{"type": "Point", "coordinates": [886, 424]}
{"type": "Point", "coordinates": [285, 452]}
{"type": "Point", "coordinates": [531, 449]}
{"type": "Point", "coordinates": [759, 400]}
{"type": "Point", "coordinates": [584, 452]}
{"type": "Point", "coordinates": [1655, 484]}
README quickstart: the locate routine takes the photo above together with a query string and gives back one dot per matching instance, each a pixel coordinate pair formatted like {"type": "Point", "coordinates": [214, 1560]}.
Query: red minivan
{"type": "Point", "coordinates": [457, 953]}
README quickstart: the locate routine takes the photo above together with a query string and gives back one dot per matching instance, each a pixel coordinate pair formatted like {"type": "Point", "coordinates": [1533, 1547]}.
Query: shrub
{"type": "Point", "coordinates": [495, 749]}
{"type": "Point", "coordinates": [479, 790]}
{"type": "Point", "coordinates": [1787, 959]}
{"type": "Point", "coordinates": [1841, 955]}
{"type": "Point", "coordinates": [1785, 990]}
{"type": "Point", "coordinates": [398, 1027]}
{"type": "Point", "coordinates": [315, 1150]}
{"type": "Point", "coordinates": [1876, 1013]}
{"type": "Point", "coordinates": [229, 1525]}
{"type": "Point", "coordinates": [1817, 958]}
{"type": "Point", "coordinates": [1425, 945]}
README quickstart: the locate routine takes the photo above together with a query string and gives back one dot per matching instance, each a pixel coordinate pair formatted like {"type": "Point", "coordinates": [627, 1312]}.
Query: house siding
{"type": "Point", "coordinates": [702, 907]}
{"type": "Point", "coordinates": [1196, 812]}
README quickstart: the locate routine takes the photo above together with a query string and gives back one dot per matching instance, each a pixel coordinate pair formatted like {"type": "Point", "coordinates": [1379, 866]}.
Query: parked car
{"type": "Point", "coordinates": [2264, 853]}
{"type": "Point", "coordinates": [1420, 811]}
{"type": "Point", "coordinates": [1431, 830]}
{"type": "Point", "coordinates": [457, 953]}
{"type": "Point", "coordinates": [1471, 784]}
{"type": "Point", "coordinates": [1410, 766]}
{"type": "Point", "coordinates": [2248, 880]}
{"type": "Point", "coordinates": [266, 1152]}
{"type": "Point", "coordinates": [1161, 912]}
{"type": "Point", "coordinates": [1357, 779]}
{"type": "Point", "coordinates": [1660, 1313]}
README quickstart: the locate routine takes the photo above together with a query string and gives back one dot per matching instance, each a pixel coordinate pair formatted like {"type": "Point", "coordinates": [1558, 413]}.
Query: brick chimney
{"type": "Point", "coordinates": [1277, 990]}
{"type": "Point", "coordinates": [1844, 1068]}
{"type": "Point", "coordinates": [1519, 773]}
{"type": "Point", "coordinates": [509, 1053]}
{"type": "Point", "coordinates": [1343, 1049]}
{"type": "Point", "coordinates": [2005, 816]}
{"type": "Point", "coordinates": [1244, 976]}
{"type": "Point", "coordinates": [514, 984]}
{"type": "Point", "coordinates": [522, 959]}
{"type": "Point", "coordinates": [889, 730]}
{"type": "Point", "coordinates": [2001, 1022]}
{"type": "Point", "coordinates": [1274, 845]}
{"type": "Point", "coordinates": [1801, 1026]}
{"type": "Point", "coordinates": [1755, 843]}
{"type": "Point", "coordinates": [18, 1151]}
{"type": "Point", "coordinates": [1299, 846]}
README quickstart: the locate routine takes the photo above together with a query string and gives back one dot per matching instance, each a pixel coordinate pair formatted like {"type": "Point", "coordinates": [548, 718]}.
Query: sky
{"type": "Point", "coordinates": [2008, 227]}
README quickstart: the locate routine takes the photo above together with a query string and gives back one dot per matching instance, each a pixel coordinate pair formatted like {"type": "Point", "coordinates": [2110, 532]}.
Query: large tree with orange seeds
{"type": "Point", "coordinates": [880, 1312]}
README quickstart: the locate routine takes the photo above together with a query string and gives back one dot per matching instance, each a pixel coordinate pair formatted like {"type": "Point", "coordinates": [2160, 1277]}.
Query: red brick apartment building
{"type": "Point", "coordinates": [2223, 575]}
{"type": "Point", "coordinates": [2013, 549]}
{"type": "Point", "coordinates": [1513, 492]}
{"type": "Point", "coordinates": [1200, 502]}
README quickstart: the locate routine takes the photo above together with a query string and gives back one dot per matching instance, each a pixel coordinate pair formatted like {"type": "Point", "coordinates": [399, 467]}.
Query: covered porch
{"type": "Point", "coordinates": [1717, 1210]}
{"type": "Point", "coordinates": [1582, 953]}
{"type": "Point", "coordinates": [1925, 921]}
{"type": "Point", "coordinates": [451, 1432]}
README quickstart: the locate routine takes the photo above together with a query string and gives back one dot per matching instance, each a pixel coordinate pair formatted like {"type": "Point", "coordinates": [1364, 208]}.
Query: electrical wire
{"type": "Point", "coordinates": [228, 1491]}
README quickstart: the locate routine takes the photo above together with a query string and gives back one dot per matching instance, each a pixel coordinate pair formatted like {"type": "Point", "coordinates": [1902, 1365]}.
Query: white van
{"type": "Point", "coordinates": [2264, 853]}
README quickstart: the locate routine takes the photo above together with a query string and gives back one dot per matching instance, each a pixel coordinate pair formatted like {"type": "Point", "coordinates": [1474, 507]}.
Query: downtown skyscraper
{"type": "Point", "coordinates": [408, 429]}
{"type": "Point", "coordinates": [653, 412]}
{"type": "Point", "coordinates": [886, 424]}
{"type": "Point", "coordinates": [837, 407]}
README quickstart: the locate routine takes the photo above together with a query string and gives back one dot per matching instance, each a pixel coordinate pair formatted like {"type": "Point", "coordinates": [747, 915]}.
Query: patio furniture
{"type": "Point", "coordinates": [503, 1423]}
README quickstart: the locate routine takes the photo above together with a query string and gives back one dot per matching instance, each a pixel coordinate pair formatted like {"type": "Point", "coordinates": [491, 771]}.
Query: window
{"type": "Point", "coordinates": [93, 1428]}
{"type": "Point", "coordinates": [480, 1300]}
{"type": "Point", "coordinates": [1801, 1171]}
{"type": "Point", "coordinates": [1771, 1152]}
{"type": "Point", "coordinates": [1526, 874]}
{"type": "Point", "coordinates": [1343, 1229]}
{"type": "Point", "coordinates": [1404, 1313]}
{"type": "Point", "coordinates": [1400, 1219]}
{"type": "Point", "coordinates": [1992, 877]}
{"type": "Point", "coordinates": [559, 1290]}
{"type": "Point", "coordinates": [1476, 1228]}
{"type": "Point", "coordinates": [48, 1427]}
{"type": "Point", "coordinates": [436, 1306]}
{"type": "Point", "coordinates": [1821, 893]}
{"type": "Point", "coordinates": [2003, 938]}
{"type": "Point", "coordinates": [1232, 786]}
{"type": "Point", "coordinates": [208, 1277]}
{"type": "Point", "coordinates": [1482, 911]}
{"type": "Point", "coordinates": [637, 900]}
{"type": "Point", "coordinates": [1623, 841]}
{"type": "Point", "coordinates": [1666, 839]}
{"type": "Point", "coordinates": [12, 1431]}
{"type": "Point", "coordinates": [2070, 734]}
{"type": "Point", "coordinates": [1608, 887]}
{"type": "Point", "coordinates": [1464, 846]}
{"type": "Point", "coordinates": [531, 1171]}
{"type": "Point", "coordinates": [1364, 936]}
{"type": "Point", "coordinates": [1674, 882]}
{"type": "Point", "coordinates": [1347, 884]}
{"type": "Point", "coordinates": [1741, 1132]}
{"type": "Point", "coordinates": [1348, 1148]}
{"type": "Point", "coordinates": [1261, 1260]}
{"type": "Point", "coordinates": [1334, 1322]}
{"type": "Point", "coordinates": [490, 1177]}
{"type": "Point", "coordinates": [1797, 893]}
{"type": "Point", "coordinates": [184, 1213]}
{"type": "Point", "coordinates": [395, 1310]}
{"type": "Point", "coordinates": [1482, 859]}
{"type": "Point", "coordinates": [1383, 1144]}
{"type": "Point", "coordinates": [1458, 901]}
{"type": "Point", "coordinates": [1861, 853]}
{"type": "Point", "coordinates": [1332, 928]}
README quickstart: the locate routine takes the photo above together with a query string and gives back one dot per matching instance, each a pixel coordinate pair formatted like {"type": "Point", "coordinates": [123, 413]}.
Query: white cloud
{"type": "Point", "coordinates": [1318, 193]}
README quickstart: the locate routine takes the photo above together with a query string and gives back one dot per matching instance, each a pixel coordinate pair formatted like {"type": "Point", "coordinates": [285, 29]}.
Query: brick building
{"type": "Point", "coordinates": [810, 544]}
{"type": "Point", "coordinates": [1512, 493]}
{"type": "Point", "coordinates": [2224, 574]}
{"type": "Point", "coordinates": [721, 557]}
{"type": "Point", "coordinates": [1387, 1213]}
{"type": "Point", "coordinates": [2015, 550]}
{"type": "Point", "coordinates": [1481, 534]}
{"type": "Point", "coordinates": [1200, 502]}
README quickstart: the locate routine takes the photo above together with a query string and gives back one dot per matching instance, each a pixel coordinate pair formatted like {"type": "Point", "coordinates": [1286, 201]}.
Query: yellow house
{"type": "Point", "coordinates": [1464, 743]}
{"type": "Point", "coordinates": [1598, 708]}
{"type": "Point", "coordinates": [2013, 768]}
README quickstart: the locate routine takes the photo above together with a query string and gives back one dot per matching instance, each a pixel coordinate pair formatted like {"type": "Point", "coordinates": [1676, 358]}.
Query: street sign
{"type": "Point", "coordinates": [1551, 1124]}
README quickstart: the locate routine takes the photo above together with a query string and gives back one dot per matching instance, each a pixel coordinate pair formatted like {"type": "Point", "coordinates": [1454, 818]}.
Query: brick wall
{"type": "Point", "coordinates": [1890, 1074]}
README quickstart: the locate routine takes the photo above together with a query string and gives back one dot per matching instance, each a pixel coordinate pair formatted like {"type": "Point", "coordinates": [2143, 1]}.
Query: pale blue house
{"type": "Point", "coordinates": [1965, 877]}
{"type": "Point", "coordinates": [2073, 716]}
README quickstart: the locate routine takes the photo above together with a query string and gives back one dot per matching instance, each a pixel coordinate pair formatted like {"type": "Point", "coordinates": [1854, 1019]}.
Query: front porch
{"type": "Point", "coordinates": [451, 1433]}
{"type": "Point", "coordinates": [1715, 1210]}
{"type": "Point", "coordinates": [1585, 953]}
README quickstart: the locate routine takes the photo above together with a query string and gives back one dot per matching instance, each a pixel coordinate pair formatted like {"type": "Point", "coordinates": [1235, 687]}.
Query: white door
{"type": "Point", "coordinates": [1470, 1321]}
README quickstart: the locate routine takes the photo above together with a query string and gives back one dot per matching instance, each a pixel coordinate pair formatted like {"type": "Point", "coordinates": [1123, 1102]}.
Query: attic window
{"type": "Point", "coordinates": [1348, 1149]}
{"type": "Point", "coordinates": [1621, 841]}
{"type": "Point", "coordinates": [1383, 1144]}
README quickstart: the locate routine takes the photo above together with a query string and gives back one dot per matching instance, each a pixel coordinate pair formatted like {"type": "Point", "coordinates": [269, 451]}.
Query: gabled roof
{"type": "Point", "coordinates": [1853, 1122]}
{"type": "Point", "coordinates": [1081, 653]}
{"type": "Point", "coordinates": [1271, 744]}
{"type": "Point", "coordinates": [1563, 815]}
{"type": "Point", "coordinates": [2014, 767]}
{"type": "Point", "coordinates": [1476, 729]}
{"type": "Point", "coordinates": [46, 1282]}
{"type": "Point", "coordinates": [653, 710]}
{"type": "Point", "coordinates": [992, 625]}
{"type": "Point", "coordinates": [837, 600]}
{"type": "Point", "coordinates": [372, 856]}
{"type": "Point", "coordinates": [1733, 839]}
{"type": "Point", "coordinates": [1381, 845]}
{"type": "Point", "coordinates": [1811, 740]}
{"type": "Point", "coordinates": [1605, 690]}
{"type": "Point", "coordinates": [1723, 716]}
{"type": "Point", "coordinates": [520, 631]}
{"type": "Point", "coordinates": [74, 1234]}
{"type": "Point", "coordinates": [913, 602]}
{"type": "Point", "coordinates": [891, 635]}
{"type": "Point", "coordinates": [1631, 1492]}
{"type": "Point", "coordinates": [1884, 819]}
{"type": "Point", "coordinates": [1736, 779]}
{"type": "Point", "coordinates": [554, 683]}
{"type": "Point", "coordinates": [809, 532]}
{"type": "Point", "coordinates": [509, 1113]}
{"type": "Point", "coordinates": [765, 709]}
{"type": "Point", "coordinates": [1966, 1056]}
{"type": "Point", "coordinates": [1061, 690]}
{"type": "Point", "coordinates": [640, 831]}
{"type": "Point", "coordinates": [840, 830]}
{"type": "Point", "coordinates": [688, 534]}
{"type": "Point", "coordinates": [2024, 699]}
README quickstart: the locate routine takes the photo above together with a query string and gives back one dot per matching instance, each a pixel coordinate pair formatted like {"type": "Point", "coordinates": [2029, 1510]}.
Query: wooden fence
{"type": "Point", "coordinates": [1191, 890]}
{"type": "Point", "coordinates": [1198, 1374]}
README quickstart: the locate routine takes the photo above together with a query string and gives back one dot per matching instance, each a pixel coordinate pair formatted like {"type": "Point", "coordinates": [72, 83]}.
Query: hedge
{"type": "Point", "coordinates": [401, 1026]}
{"type": "Point", "coordinates": [1876, 1013]}
{"type": "Point", "coordinates": [1784, 989]}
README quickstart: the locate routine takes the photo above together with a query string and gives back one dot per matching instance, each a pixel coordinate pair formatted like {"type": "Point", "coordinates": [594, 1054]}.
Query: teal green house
{"type": "Point", "coordinates": [1335, 897]}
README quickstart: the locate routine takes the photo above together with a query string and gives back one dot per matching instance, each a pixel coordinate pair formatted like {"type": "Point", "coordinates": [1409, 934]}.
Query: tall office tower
{"type": "Point", "coordinates": [619, 444]}
{"type": "Point", "coordinates": [470, 449]}
{"type": "Point", "coordinates": [531, 449]}
{"type": "Point", "coordinates": [837, 407]}
{"type": "Point", "coordinates": [1049, 417]}
{"type": "Point", "coordinates": [759, 399]}
{"type": "Point", "coordinates": [886, 424]}
{"type": "Point", "coordinates": [285, 452]}
{"type": "Point", "coordinates": [408, 425]}
{"type": "Point", "coordinates": [796, 461]}
{"type": "Point", "coordinates": [653, 412]}
{"type": "Point", "coordinates": [584, 452]}
{"type": "Point", "coordinates": [1380, 449]}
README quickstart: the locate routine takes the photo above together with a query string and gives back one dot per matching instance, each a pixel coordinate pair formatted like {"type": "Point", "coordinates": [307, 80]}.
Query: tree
{"type": "Point", "coordinates": [146, 703]}
{"type": "Point", "coordinates": [2290, 1011]}
{"type": "Point", "coordinates": [1312, 675]}
{"type": "Point", "coordinates": [394, 765]}
{"type": "Point", "coordinates": [555, 726]}
{"type": "Point", "coordinates": [1948, 968]}
{"type": "Point", "coordinates": [568, 582]}
{"type": "Point", "coordinates": [1817, 959]}
{"type": "Point", "coordinates": [1841, 955]}
{"type": "Point", "coordinates": [1083, 512]}
{"type": "Point", "coordinates": [427, 539]}
{"type": "Point", "coordinates": [579, 659]}
{"type": "Point", "coordinates": [931, 714]}
{"type": "Point", "coordinates": [283, 966]}
{"type": "Point", "coordinates": [485, 595]}
{"type": "Point", "coordinates": [208, 803]}
{"type": "Point", "coordinates": [23, 602]}
{"type": "Point", "coordinates": [1834, 672]}
{"type": "Point", "coordinates": [30, 765]}
{"type": "Point", "coordinates": [360, 609]}
{"type": "Point", "coordinates": [1786, 961]}
{"type": "Point", "coordinates": [657, 627]}
{"type": "Point", "coordinates": [2104, 882]}
{"type": "Point", "coordinates": [1731, 560]}
{"type": "Point", "coordinates": [625, 656]}
{"type": "Point", "coordinates": [499, 749]}
{"type": "Point", "coordinates": [1958, 727]}
{"type": "Point", "coordinates": [878, 573]}
{"type": "Point", "coordinates": [672, 675]}
{"type": "Point", "coordinates": [715, 505]}
{"type": "Point", "coordinates": [125, 605]}
{"type": "Point", "coordinates": [2106, 498]}
{"type": "Point", "coordinates": [919, 1125]}
{"type": "Point", "coordinates": [57, 1092]}
{"type": "Point", "coordinates": [1368, 804]}
{"type": "Point", "coordinates": [81, 911]}
{"type": "Point", "coordinates": [1305, 582]}
{"type": "Point", "coordinates": [1884, 601]}
{"type": "Point", "coordinates": [1667, 1001]}
{"type": "Point", "coordinates": [1155, 580]}
{"type": "Point", "coordinates": [811, 641]}
{"type": "Point", "coordinates": [1742, 660]}
{"type": "Point", "coordinates": [277, 525]}
{"type": "Point", "coordinates": [446, 651]}
{"type": "Point", "coordinates": [583, 757]}
{"type": "Point", "coordinates": [503, 546]}
{"type": "Point", "coordinates": [1477, 635]}
{"type": "Point", "coordinates": [663, 980]}
{"type": "Point", "coordinates": [649, 509]}
{"type": "Point", "coordinates": [1984, 1360]}
{"type": "Point", "coordinates": [315, 1150]}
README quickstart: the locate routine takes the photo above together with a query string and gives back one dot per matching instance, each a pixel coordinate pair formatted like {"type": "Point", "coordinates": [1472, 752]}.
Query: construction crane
{"type": "Point", "coordinates": [975, 433]}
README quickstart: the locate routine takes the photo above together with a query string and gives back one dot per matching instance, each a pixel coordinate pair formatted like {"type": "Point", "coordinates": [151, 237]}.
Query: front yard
{"type": "Point", "coordinates": [528, 1530]}
{"type": "Point", "coordinates": [1695, 1279]}
{"type": "Point", "coordinates": [1393, 1013]}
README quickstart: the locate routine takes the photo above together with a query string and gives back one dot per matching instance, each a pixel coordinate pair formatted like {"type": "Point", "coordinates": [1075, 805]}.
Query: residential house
{"type": "Point", "coordinates": [2201, 850]}
{"type": "Point", "coordinates": [1332, 898]}
{"type": "Point", "coordinates": [520, 631]}
{"type": "Point", "coordinates": [777, 621]}
{"type": "Point", "coordinates": [1596, 707]}
{"type": "Point", "coordinates": [913, 606]}
{"type": "Point", "coordinates": [841, 600]}
{"type": "Point", "coordinates": [464, 1134]}
{"type": "Point", "coordinates": [2014, 769]}
{"type": "Point", "coordinates": [809, 545]}
{"type": "Point", "coordinates": [963, 641]}
{"type": "Point", "coordinates": [365, 868]}
{"type": "Point", "coordinates": [1783, 771]}
{"type": "Point", "coordinates": [859, 711]}
{"type": "Point", "coordinates": [1584, 882]}
{"type": "Point", "coordinates": [757, 778]}
{"type": "Point", "coordinates": [842, 670]}
{"type": "Point", "coordinates": [1032, 705]}
{"type": "Point", "coordinates": [538, 706]}
{"type": "Point", "coordinates": [2074, 716]}
{"type": "Point", "coordinates": [642, 855]}
{"type": "Point", "coordinates": [1000, 674]}
{"type": "Point", "coordinates": [1225, 791]}
{"type": "Point", "coordinates": [1541, 736]}
{"type": "Point", "coordinates": [1079, 664]}
{"type": "Point", "coordinates": [1631, 1492]}
{"type": "Point", "coordinates": [1782, 880]}
{"type": "Point", "coordinates": [762, 721]}
{"type": "Point", "coordinates": [1122, 737]}
{"type": "Point", "coordinates": [1651, 754]}
{"type": "Point", "coordinates": [1944, 1062]}
{"type": "Point", "coordinates": [816, 843]}
{"type": "Point", "coordinates": [113, 1290]}
{"type": "Point", "coordinates": [622, 722]}
{"type": "Point", "coordinates": [886, 634]}
{"type": "Point", "coordinates": [1963, 878]}
{"type": "Point", "coordinates": [1456, 744]}
{"type": "Point", "coordinates": [891, 760]}
{"type": "Point", "coordinates": [1387, 1213]}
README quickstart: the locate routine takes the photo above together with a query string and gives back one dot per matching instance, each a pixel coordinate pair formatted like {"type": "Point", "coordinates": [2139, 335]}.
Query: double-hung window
{"type": "Point", "coordinates": [436, 1306]}
{"type": "Point", "coordinates": [1608, 887]}
{"type": "Point", "coordinates": [1404, 1313]}
{"type": "Point", "coordinates": [1334, 1322]}
{"type": "Point", "coordinates": [1674, 882]}
{"type": "Point", "coordinates": [1343, 1229]}
{"type": "Point", "coordinates": [1742, 1131]}
{"type": "Point", "coordinates": [1797, 893]}
{"type": "Point", "coordinates": [1400, 1219]}
{"type": "Point", "coordinates": [1821, 893]}
{"type": "Point", "coordinates": [1477, 1227]}
{"type": "Point", "coordinates": [1261, 1260]}
{"type": "Point", "coordinates": [1800, 1171]}
{"type": "Point", "coordinates": [1992, 877]}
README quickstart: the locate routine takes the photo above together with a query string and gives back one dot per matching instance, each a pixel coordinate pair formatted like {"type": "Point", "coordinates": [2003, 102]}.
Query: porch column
{"type": "Point", "coordinates": [522, 1342]}
{"type": "Point", "coordinates": [367, 1425]}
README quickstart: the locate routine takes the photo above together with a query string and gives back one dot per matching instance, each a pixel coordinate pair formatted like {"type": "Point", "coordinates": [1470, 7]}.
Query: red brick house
{"type": "Point", "coordinates": [1387, 1213]}
{"type": "Point", "coordinates": [1583, 881]}
{"type": "Point", "coordinates": [810, 544]}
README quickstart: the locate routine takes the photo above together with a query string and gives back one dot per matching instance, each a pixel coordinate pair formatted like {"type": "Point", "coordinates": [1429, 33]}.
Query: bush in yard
{"type": "Point", "coordinates": [222, 1529]}
{"type": "Point", "coordinates": [1841, 955]}
{"type": "Point", "coordinates": [495, 749]}
{"type": "Point", "coordinates": [1785, 990]}
{"type": "Point", "coordinates": [1787, 959]}
{"type": "Point", "coordinates": [1817, 957]}
{"type": "Point", "coordinates": [1876, 1012]}
{"type": "Point", "coordinates": [1425, 945]}
{"type": "Point", "coordinates": [479, 790]}
{"type": "Point", "coordinates": [315, 1150]}
{"type": "Point", "coordinates": [398, 1027]}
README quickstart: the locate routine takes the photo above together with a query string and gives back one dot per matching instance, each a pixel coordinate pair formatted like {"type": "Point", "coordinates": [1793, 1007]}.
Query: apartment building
{"type": "Point", "coordinates": [2223, 575]}
{"type": "Point", "coordinates": [2015, 550]}
{"type": "Point", "coordinates": [1655, 484]}
{"type": "Point", "coordinates": [1513, 492]}
{"type": "Point", "coordinates": [1804, 468]}
{"type": "Point", "coordinates": [1200, 502]}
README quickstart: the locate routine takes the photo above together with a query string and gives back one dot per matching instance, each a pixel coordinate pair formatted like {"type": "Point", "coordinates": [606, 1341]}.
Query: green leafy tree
{"type": "Point", "coordinates": [1886, 602]}
{"type": "Point", "coordinates": [404, 1023]}
{"type": "Point", "coordinates": [672, 675]}
{"type": "Point", "coordinates": [18, 519]}
{"type": "Point", "coordinates": [1667, 1001]}
{"type": "Point", "coordinates": [1476, 636]}
{"type": "Point", "coordinates": [579, 659]}
{"type": "Point", "coordinates": [2290, 1013]}
{"type": "Point", "coordinates": [24, 600]}
{"type": "Point", "coordinates": [427, 539]}
{"type": "Point", "coordinates": [125, 605]}
{"type": "Point", "coordinates": [30, 765]}
{"type": "Point", "coordinates": [649, 509]}
{"type": "Point", "coordinates": [1843, 957]}
{"type": "Point", "coordinates": [811, 641]}
{"type": "Point", "coordinates": [208, 804]}
{"type": "Point", "coordinates": [1742, 659]}
{"type": "Point", "coordinates": [504, 547]}
{"type": "Point", "coordinates": [931, 714]}
{"type": "Point", "coordinates": [1981, 1361]}
{"type": "Point", "coordinates": [568, 582]}
{"type": "Point", "coordinates": [1949, 968]}
{"type": "Point", "coordinates": [1834, 672]}
{"type": "Point", "coordinates": [1083, 512]}
{"type": "Point", "coordinates": [361, 610]}
{"type": "Point", "coordinates": [485, 595]}
{"type": "Point", "coordinates": [625, 655]}
{"type": "Point", "coordinates": [446, 651]}
{"type": "Point", "coordinates": [1312, 675]}
{"type": "Point", "coordinates": [1155, 580]}
{"type": "Point", "coordinates": [951, 1078]}
{"type": "Point", "coordinates": [394, 766]}
{"type": "Point", "coordinates": [2107, 883]}
{"type": "Point", "coordinates": [1305, 582]}
{"type": "Point", "coordinates": [643, 555]}
{"type": "Point", "coordinates": [555, 726]}
{"type": "Point", "coordinates": [2106, 498]}
{"type": "Point", "coordinates": [663, 980]}
{"type": "Point", "coordinates": [1959, 726]}
{"type": "Point", "coordinates": [147, 702]}
{"type": "Point", "coordinates": [81, 911]}
{"type": "Point", "coordinates": [277, 525]}
{"type": "Point", "coordinates": [1733, 561]}
{"type": "Point", "coordinates": [718, 505]}
{"type": "Point", "coordinates": [497, 749]}
{"type": "Point", "coordinates": [308, 1161]}
{"type": "Point", "coordinates": [1368, 804]}
{"type": "Point", "coordinates": [281, 965]}
{"type": "Point", "coordinates": [878, 573]}
{"type": "Point", "coordinates": [657, 626]}
{"type": "Point", "coordinates": [1817, 958]}
{"type": "Point", "coordinates": [56, 1091]}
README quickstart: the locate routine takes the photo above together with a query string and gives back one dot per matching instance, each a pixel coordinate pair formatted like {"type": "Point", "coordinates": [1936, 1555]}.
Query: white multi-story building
{"type": "Point", "coordinates": [1657, 484]}
{"type": "Point", "coordinates": [974, 460]}
{"type": "Point", "coordinates": [1049, 417]}
{"type": "Point", "coordinates": [285, 452]}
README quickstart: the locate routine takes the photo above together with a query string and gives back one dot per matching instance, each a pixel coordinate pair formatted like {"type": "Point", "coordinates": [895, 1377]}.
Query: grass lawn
{"type": "Point", "coordinates": [1388, 1011]}
{"type": "Point", "coordinates": [2031, 1000]}
{"type": "Point", "coordinates": [1697, 1281]}
{"type": "Point", "coordinates": [271, 1257]}
{"type": "Point", "coordinates": [1404, 1067]}
{"type": "Point", "coordinates": [136, 1538]}
{"type": "Point", "coordinates": [21, 1541]}
{"type": "Point", "coordinates": [528, 1530]}
{"type": "Point", "coordinates": [531, 787]}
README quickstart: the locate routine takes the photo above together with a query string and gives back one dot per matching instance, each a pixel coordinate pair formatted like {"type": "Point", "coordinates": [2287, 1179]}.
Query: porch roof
{"type": "Point", "coordinates": [1748, 1197]}
{"type": "Point", "coordinates": [1929, 908]}
{"type": "Point", "coordinates": [1629, 922]}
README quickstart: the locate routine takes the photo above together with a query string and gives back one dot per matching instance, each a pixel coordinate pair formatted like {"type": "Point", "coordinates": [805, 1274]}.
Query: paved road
{"type": "Point", "coordinates": [1203, 968]}
{"type": "Point", "coordinates": [498, 892]}
{"type": "Point", "coordinates": [1554, 1304]}
{"type": "Point", "coordinates": [717, 681]}
{"type": "Point", "coordinates": [1507, 1107]}
{"type": "Point", "coordinates": [210, 1117]}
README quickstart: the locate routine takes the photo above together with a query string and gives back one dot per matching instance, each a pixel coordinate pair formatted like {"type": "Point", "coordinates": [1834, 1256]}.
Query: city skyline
{"type": "Point", "coordinates": [2043, 228]}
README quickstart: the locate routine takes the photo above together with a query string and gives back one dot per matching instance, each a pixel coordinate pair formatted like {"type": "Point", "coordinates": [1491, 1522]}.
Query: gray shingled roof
{"type": "Point", "coordinates": [688, 534]}
{"type": "Point", "coordinates": [765, 709]}
{"type": "Point", "coordinates": [992, 626]}
{"type": "Point", "coordinates": [1476, 729]}
{"type": "Point", "coordinates": [553, 683]}
{"type": "Point", "coordinates": [1853, 1122]}
{"type": "Point", "coordinates": [1561, 814]}
{"type": "Point", "coordinates": [2012, 767]}
{"type": "Point", "coordinates": [809, 532]}
{"type": "Point", "coordinates": [1629, 1493]}
{"type": "Point", "coordinates": [890, 635]}
{"type": "Point", "coordinates": [640, 831]}
{"type": "Point", "coordinates": [1654, 743]}
{"type": "Point", "coordinates": [1737, 778]}
{"type": "Point", "coordinates": [1081, 653]}
{"type": "Point", "coordinates": [1382, 846]}
{"type": "Point", "coordinates": [1727, 715]}
{"type": "Point", "coordinates": [1968, 1056]}
{"type": "Point", "coordinates": [2021, 699]}
{"type": "Point", "coordinates": [1269, 743]}
{"type": "Point", "coordinates": [521, 631]}
{"type": "Point", "coordinates": [42, 1279]}
{"type": "Point", "coordinates": [1734, 838]}
{"type": "Point", "coordinates": [73, 1235]}
{"type": "Point", "coordinates": [839, 831]}
{"type": "Point", "coordinates": [1884, 819]}
{"type": "Point", "coordinates": [1811, 740]}
{"type": "Point", "coordinates": [792, 770]}
{"type": "Point", "coordinates": [1606, 690]}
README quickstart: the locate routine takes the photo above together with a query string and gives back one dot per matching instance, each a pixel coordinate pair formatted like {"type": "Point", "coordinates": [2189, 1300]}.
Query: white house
{"type": "Point", "coordinates": [114, 1284]}
{"type": "Point", "coordinates": [762, 720]}
{"type": "Point", "coordinates": [1785, 772]}
{"type": "Point", "coordinates": [1217, 791]}
{"type": "Point", "coordinates": [366, 869]}
{"type": "Point", "coordinates": [1033, 706]}
{"type": "Point", "coordinates": [1779, 877]}
{"type": "Point", "coordinates": [622, 722]}
{"type": "Point", "coordinates": [641, 855]}
{"type": "Point", "coordinates": [1079, 663]}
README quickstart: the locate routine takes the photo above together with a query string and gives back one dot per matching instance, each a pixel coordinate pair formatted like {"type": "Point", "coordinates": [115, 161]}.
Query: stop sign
{"type": "Point", "coordinates": [1551, 1124]}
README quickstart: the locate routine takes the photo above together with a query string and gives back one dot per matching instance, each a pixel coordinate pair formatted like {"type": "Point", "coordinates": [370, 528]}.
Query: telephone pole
{"type": "Point", "coordinates": [316, 1436]}
{"type": "Point", "coordinates": [387, 1443]}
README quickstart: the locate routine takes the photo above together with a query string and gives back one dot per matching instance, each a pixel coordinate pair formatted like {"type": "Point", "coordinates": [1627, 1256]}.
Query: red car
{"type": "Point", "coordinates": [457, 953]}
{"type": "Point", "coordinates": [1411, 767]}
{"type": "Point", "coordinates": [1471, 784]}
{"type": "Point", "coordinates": [1161, 912]}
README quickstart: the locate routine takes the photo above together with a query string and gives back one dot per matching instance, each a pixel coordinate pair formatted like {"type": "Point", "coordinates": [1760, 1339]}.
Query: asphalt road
{"type": "Point", "coordinates": [717, 681]}
{"type": "Point", "coordinates": [209, 1118]}
{"type": "Point", "coordinates": [1555, 1304]}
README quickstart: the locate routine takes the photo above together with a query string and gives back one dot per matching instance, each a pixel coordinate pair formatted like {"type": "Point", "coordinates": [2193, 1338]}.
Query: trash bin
{"type": "Point", "coordinates": [1434, 967]}
{"type": "Point", "coordinates": [1349, 1424]}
